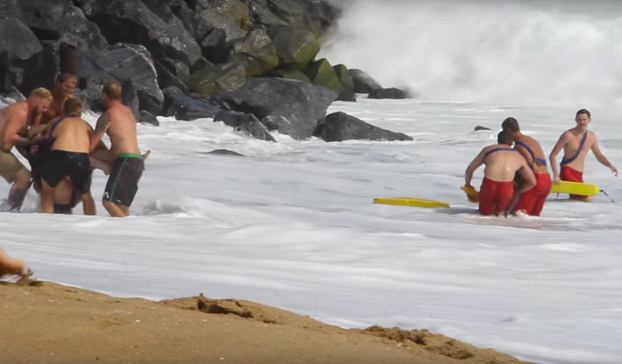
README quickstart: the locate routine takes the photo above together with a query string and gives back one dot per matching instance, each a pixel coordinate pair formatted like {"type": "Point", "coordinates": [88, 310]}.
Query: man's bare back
{"type": "Point", "coordinates": [72, 135]}
{"type": "Point", "coordinates": [502, 165]}
{"type": "Point", "coordinates": [538, 153]}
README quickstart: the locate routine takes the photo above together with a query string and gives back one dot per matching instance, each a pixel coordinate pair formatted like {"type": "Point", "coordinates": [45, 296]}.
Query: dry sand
{"type": "Point", "coordinates": [42, 322]}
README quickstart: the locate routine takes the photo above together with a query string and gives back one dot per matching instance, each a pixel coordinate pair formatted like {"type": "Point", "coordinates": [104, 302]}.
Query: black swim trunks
{"type": "Point", "coordinates": [60, 164]}
{"type": "Point", "coordinates": [63, 209]}
{"type": "Point", "coordinates": [123, 181]}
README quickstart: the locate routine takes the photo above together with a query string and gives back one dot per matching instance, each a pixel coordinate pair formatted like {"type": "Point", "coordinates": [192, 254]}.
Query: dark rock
{"type": "Point", "coordinates": [167, 79]}
{"type": "Point", "coordinates": [479, 127]}
{"type": "Point", "coordinates": [215, 47]}
{"type": "Point", "coordinates": [17, 39]}
{"type": "Point", "coordinates": [60, 20]}
{"type": "Point", "coordinates": [217, 79]}
{"type": "Point", "coordinates": [292, 75]}
{"type": "Point", "coordinates": [12, 96]}
{"type": "Point", "coordinates": [340, 126]}
{"type": "Point", "coordinates": [245, 123]}
{"type": "Point", "coordinates": [148, 118]}
{"type": "Point", "coordinates": [388, 93]}
{"type": "Point", "coordinates": [296, 46]}
{"type": "Point", "coordinates": [256, 52]}
{"type": "Point", "coordinates": [225, 152]}
{"type": "Point", "coordinates": [124, 62]}
{"type": "Point", "coordinates": [235, 10]}
{"type": "Point", "coordinates": [347, 93]}
{"type": "Point", "coordinates": [363, 84]}
{"type": "Point", "coordinates": [132, 21]}
{"type": "Point", "coordinates": [322, 73]}
{"type": "Point", "coordinates": [41, 70]}
{"type": "Point", "coordinates": [184, 107]}
{"type": "Point", "coordinates": [300, 103]}
{"type": "Point", "coordinates": [260, 11]}
{"type": "Point", "coordinates": [317, 16]}
{"type": "Point", "coordinates": [212, 20]}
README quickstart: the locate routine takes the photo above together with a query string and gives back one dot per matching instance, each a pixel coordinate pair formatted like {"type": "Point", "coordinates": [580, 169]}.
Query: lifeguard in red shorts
{"type": "Point", "coordinates": [577, 142]}
{"type": "Point", "coordinates": [502, 164]}
{"type": "Point", "coordinates": [532, 201]}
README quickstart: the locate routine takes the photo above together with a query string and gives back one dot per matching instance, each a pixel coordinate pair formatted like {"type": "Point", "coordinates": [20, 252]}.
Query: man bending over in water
{"type": "Point", "coordinates": [532, 201]}
{"type": "Point", "coordinates": [13, 119]}
{"type": "Point", "coordinates": [577, 142]}
{"type": "Point", "coordinates": [10, 265]}
{"type": "Point", "coordinates": [502, 164]}
{"type": "Point", "coordinates": [69, 157]}
{"type": "Point", "coordinates": [120, 124]}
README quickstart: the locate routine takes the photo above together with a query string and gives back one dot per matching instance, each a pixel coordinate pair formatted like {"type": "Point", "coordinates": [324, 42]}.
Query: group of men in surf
{"type": "Point", "coordinates": [63, 150]}
{"type": "Point", "coordinates": [517, 178]}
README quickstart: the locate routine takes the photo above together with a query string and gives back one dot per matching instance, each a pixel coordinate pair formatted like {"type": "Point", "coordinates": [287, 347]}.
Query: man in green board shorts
{"type": "Point", "coordinates": [120, 124]}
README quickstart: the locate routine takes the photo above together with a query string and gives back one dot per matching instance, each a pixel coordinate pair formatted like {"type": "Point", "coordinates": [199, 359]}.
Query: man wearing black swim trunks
{"type": "Point", "coordinates": [68, 157]}
{"type": "Point", "coordinates": [120, 124]}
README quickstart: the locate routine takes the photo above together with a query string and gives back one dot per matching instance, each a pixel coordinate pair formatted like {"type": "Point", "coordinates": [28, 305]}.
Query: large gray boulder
{"type": "Point", "coordinates": [302, 105]}
{"type": "Point", "coordinates": [340, 126]}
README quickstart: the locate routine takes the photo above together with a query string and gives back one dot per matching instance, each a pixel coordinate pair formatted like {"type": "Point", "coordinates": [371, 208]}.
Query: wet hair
{"type": "Point", "coordinates": [584, 111]}
{"type": "Point", "coordinates": [65, 76]}
{"type": "Point", "coordinates": [510, 124]}
{"type": "Point", "coordinates": [72, 105]}
{"type": "Point", "coordinates": [505, 137]}
{"type": "Point", "coordinates": [112, 89]}
{"type": "Point", "coordinates": [41, 93]}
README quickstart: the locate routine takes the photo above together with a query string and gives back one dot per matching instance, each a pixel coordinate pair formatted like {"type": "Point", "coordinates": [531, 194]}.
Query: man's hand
{"type": "Point", "coordinates": [556, 179]}
{"type": "Point", "coordinates": [614, 170]}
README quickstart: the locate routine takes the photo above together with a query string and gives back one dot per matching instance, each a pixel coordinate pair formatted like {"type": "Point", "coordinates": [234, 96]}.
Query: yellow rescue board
{"type": "Point", "coordinates": [411, 201]}
{"type": "Point", "coordinates": [575, 188]}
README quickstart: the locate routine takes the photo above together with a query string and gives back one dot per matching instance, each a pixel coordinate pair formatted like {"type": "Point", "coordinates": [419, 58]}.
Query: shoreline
{"type": "Point", "coordinates": [53, 323]}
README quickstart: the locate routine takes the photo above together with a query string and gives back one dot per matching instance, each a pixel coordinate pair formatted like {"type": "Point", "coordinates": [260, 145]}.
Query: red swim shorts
{"type": "Point", "coordinates": [494, 197]}
{"type": "Point", "coordinates": [532, 201]}
{"type": "Point", "coordinates": [569, 174]}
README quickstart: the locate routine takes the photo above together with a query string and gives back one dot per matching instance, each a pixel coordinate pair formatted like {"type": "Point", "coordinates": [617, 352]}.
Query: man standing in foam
{"type": "Point", "coordinates": [14, 120]}
{"type": "Point", "coordinates": [502, 165]}
{"type": "Point", "coordinates": [120, 124]}
{"type": "Point", "coordinates": [68, 157]}
{"type": "Point", "coordinates": [576, 143]}
{"type": "Point", "coordinates": [532, 201]}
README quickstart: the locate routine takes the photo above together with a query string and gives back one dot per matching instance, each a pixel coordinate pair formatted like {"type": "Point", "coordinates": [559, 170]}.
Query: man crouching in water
{"type": "Point", "coordinates": [68, 157]}
{"type": "Point", "coordinates": [120, 124]}
{"type": "Point", "coordinates": [502, 164]}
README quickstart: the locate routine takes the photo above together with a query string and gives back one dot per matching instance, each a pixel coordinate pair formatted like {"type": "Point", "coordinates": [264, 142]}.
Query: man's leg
{"type": "Point", "coordinates": [115, 210]}
{"type": "Point", "coordinates": [47, 198]}
{"type": "Point", "coordinates": [18, 190]}
{"type": "Point", "coordinates": [88, 204]}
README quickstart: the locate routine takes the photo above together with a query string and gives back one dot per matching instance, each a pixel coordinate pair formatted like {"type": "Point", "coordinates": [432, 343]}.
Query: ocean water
{"type": "Point", "coordinates": [292, 224]}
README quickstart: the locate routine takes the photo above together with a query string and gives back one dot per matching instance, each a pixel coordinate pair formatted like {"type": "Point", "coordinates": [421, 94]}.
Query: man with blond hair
{"type": "Point", "coordinates": [14, 119]}
{"type": "Point", "coordinates": [120, 124]}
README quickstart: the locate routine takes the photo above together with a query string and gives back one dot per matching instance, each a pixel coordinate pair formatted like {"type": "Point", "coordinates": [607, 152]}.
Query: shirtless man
{"type": "Point", "coordinates": [13, 120]}
{"type": "Point", "coordinates": [576, 143]}
{"type": "Point", "coordinates": [68, 157]}
{"type": "Point", "coordinates": [502, 165]}
{"type": "Point", "coordinates": [532, 201]}
{"type": "Point", "coordinates": [67, 83]}
{"type": "Point", "coordinates": [10, 265]}
{"type": "Point", "coordinates": [120, 124]}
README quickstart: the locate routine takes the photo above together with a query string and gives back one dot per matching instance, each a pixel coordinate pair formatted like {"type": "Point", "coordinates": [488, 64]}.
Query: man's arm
{"type": "Point", "coordinates": [478, 161]}
{"type": "Point", "coordinates": [523, 152]}
{"type": "Point", "coordinates": [601, 158]}
{"type": "Point", "coordinates": [553, 156]}
{"type": "Point", "coordinates": [529, 179]}
{"type": "Point", "coordinates": [100, 129]}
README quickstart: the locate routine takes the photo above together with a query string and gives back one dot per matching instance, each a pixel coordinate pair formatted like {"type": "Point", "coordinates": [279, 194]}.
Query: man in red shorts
{"type": "Point", "coordinates": [576, 143]}
{"type": "Point", "coordinates": [502, 164]}
{"type": "Point", "coordinates": [532, 201]}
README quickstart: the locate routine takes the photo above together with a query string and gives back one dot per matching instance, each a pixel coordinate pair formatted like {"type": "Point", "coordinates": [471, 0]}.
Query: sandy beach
{"type": "Point", "coordinates": [45, 322]}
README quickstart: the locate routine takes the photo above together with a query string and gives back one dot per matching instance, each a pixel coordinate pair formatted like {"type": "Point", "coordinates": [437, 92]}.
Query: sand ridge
{"type": "Point", "coordinates": [44, 322]}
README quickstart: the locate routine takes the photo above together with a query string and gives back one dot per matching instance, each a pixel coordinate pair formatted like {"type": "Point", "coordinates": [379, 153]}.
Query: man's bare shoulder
{"type": "Point", "coordinates": [16, 110]}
